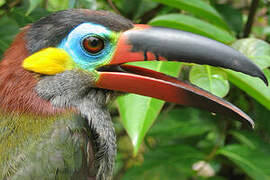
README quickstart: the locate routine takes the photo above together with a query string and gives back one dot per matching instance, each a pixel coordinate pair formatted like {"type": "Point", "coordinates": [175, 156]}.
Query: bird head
{"type": "Point", "coordinates": [72, 51]}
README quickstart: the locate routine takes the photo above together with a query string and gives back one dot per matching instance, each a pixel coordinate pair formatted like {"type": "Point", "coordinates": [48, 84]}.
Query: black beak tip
{"type": "Point", "coordinates": [264, 79]}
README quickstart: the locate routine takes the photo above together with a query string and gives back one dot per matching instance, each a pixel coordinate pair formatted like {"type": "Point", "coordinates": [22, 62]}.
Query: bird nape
{"type": "Point", "coordinates": [60, 73]}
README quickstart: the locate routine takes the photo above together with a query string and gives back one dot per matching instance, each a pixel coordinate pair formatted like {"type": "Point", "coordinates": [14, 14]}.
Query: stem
{"type": "Point", "coordinates": [6, 7]}
{"type": "Point", "coordinates": [251, 16]}
{"type": "Point", "coordinates": [150, 14]}
{"type": "Point", "coordinates": [14, 3]}
{"type": "Point", "coordinates": [45, 4]}
{"type": "Point", "coordinates": [113, 7]}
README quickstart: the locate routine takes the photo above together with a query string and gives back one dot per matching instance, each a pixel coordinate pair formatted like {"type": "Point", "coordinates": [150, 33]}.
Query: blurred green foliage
{"type": "Point", "coordinates": [183, 143]}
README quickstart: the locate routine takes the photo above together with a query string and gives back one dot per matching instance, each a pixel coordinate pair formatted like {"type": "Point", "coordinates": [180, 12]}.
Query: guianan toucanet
{"type": "Point", "coordinates": [60, 73]}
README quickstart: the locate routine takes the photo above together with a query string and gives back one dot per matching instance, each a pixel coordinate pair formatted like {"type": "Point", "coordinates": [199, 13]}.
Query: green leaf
{"type": "Point", "coordinates": [256, 49]}
{"type": "Point", "coordinates": [7, 33]}
{"type": "Point", "coordinates": [250, 139]}
{"type": "Point", "coordinates": [166, 163]}
{"type": "Point", "coordinates": [254, 162]}
{"type": "Point", "coordinates": [59, 5]}
{"type": "Point", "coordinates": [129, 8]}
{"type": "Point", "coordinates": [19, 15]}
{"type": "Point", "coordinates": [32, 5]}
{"type": "Point", "coordinates": [216, 178]}
{"type": "Point", "coordinates": [144, 7]}
{"type": "Point", "coordinates": [259, 52]}
{"type": "Point", "coordinates": [252, 86]}
{"type": "Point", "coordinates": [2, 2]}
{"type": "Point", "coordinates": [87, 4]}
{"type": "Point", "coordinates": [244, 138]}
{"type": "Point", "coordinates": [232, 16]}
{"type": "Point", "coordinates": [181, 123]}
{"type": "Point", "coordinates": [198, 8]}
{"type": "Point", "coordinates": [261, 115]}
{"type": "Point", "coordinates": [191, 24]}
{"type": "Point", "coordinates": [210, 79]}
{"type": "Point", "coordinates": [139, 112]}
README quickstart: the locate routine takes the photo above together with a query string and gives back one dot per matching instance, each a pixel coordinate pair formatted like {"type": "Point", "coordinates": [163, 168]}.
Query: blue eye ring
{"type": "Point", "coordinates": [93, 44]}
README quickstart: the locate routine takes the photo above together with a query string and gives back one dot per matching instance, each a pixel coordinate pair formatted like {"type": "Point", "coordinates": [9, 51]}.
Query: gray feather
{"type": "Point", "coordinates": [73, 89]}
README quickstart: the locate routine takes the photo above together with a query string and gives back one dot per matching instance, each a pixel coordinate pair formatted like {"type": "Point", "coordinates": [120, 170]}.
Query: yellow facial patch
{"type": "Point", "coordinates": [49, 61]}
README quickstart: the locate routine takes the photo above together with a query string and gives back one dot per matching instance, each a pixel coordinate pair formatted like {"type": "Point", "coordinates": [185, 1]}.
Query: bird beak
{"type": "Point", "coordinates": [146, 43]}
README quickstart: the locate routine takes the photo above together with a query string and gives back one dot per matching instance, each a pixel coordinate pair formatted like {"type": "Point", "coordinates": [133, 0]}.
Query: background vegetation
{"type": "Point", "coordinates": [183, 143]}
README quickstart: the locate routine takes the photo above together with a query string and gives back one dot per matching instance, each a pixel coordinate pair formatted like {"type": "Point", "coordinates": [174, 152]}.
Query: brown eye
{"type": "Point", "coordinates": [93, 44]}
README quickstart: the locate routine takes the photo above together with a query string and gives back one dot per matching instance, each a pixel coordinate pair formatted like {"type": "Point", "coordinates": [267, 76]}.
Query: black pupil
{"type": "Point", "coordinates": [94, 42]}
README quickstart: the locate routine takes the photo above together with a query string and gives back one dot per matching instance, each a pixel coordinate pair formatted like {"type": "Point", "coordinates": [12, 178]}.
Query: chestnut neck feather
{"type": "Point", "coordinates": [17, 94]}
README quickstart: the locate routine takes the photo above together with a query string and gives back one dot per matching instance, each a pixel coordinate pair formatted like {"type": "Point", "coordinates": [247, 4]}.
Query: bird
{"type": "Point", "coordinates": [61, 72]}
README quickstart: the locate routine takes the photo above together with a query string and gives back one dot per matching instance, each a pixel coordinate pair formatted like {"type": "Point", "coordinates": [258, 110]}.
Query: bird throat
{"type": "Point", "coordinates": [73, 89]}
